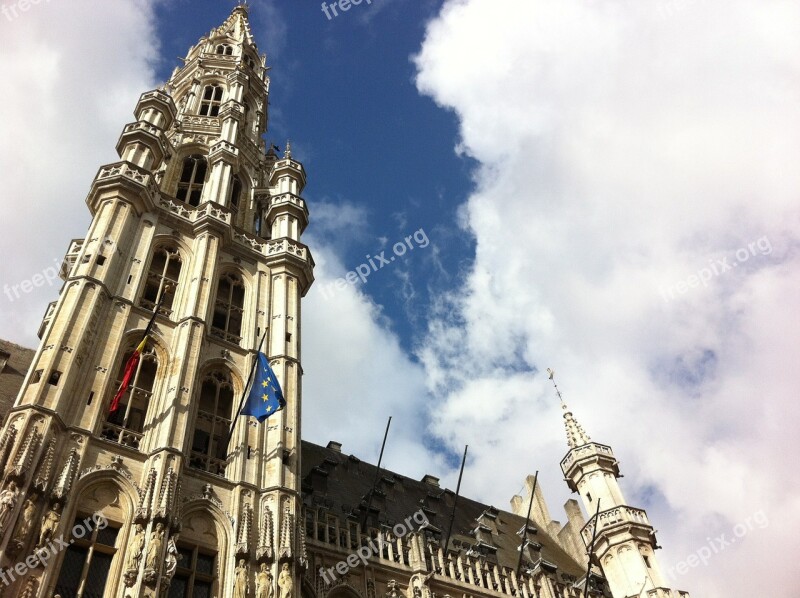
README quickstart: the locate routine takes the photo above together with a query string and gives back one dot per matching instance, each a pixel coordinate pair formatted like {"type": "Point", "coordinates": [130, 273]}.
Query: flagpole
{"type": "Point", "coordinates": [527, 518]}
{"type": "Point", "coordinates": [591, 549]}
{"type": "Point", "coordinates": [455, 501]}
{"type": "Point", "coordinates": [377, 473]}
{"type": "Point", "coordinates": [244, 391]}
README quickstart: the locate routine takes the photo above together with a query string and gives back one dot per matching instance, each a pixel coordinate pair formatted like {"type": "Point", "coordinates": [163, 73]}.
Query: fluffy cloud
{"type": "Point", "coordinates": [66, 91]}
{"type": "Point", "coordinates": [356, 372]}
{"type": "Point", "coordinates": [628, 149]}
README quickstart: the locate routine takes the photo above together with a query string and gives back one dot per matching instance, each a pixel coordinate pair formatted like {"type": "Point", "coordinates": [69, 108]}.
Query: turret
{"type": "Point", "coordinates": [624, 541]}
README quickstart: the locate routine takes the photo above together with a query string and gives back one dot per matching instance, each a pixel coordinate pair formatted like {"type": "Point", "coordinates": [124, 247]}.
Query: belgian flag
{"type": "Point", "coordinates": [133, 360]}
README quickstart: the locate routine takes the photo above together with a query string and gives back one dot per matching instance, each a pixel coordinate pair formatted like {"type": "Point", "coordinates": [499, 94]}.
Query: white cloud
{"type": "Point", "coordinates": [68, 88]}
{"type": "Point", "coordinates": [356, 374]}
{"type": "Point", "coordinates": [623, 145]}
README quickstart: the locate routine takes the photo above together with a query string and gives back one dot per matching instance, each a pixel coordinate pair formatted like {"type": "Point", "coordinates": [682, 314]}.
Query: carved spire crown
{"type": "Point", "coordinates": [576, 435]}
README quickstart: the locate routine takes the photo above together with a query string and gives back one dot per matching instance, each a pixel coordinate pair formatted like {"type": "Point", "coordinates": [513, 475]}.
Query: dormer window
{"type": "Point", "coordinates": [212, 100]}
{"type": "Point", "coordinates": [193, 176]}
{"type": "Point", "coordinates": [225, 49]}
{"type": "Point", "coordinates": [249, 62]}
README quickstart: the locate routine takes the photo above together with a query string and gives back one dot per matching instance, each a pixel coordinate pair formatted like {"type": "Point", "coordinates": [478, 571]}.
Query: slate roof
{"type": "Point", "coordinates": [339, 483]}
{"type": "Point", "coordinates": [12, 375]}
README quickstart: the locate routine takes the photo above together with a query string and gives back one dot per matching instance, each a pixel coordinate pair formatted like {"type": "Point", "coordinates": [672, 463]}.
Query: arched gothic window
{"type": "Point", "coordinates": [212, 100]}
{"type": "Point", "coordinates": [126, 424]}
{"type": "Point", "coordinates": [224, 49]}
{"type": "Point", "coordinates": [228, 308]}
{"type": "Point", "coordinates": [193, 175]}
{"type": "Point", "coordinates": [214, 412]}
{"type": "Point", "coordinates": [162, 277]}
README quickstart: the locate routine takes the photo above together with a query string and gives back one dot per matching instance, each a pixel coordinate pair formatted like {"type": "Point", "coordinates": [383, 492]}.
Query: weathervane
{"type": "Point", "coordinates": [551, 374]}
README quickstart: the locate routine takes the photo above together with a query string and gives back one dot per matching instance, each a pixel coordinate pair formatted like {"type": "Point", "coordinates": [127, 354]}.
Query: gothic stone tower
{"type": "Point", "coordinates": [625, 541]}
{"type": "Point", "coordinates": [195, 209]}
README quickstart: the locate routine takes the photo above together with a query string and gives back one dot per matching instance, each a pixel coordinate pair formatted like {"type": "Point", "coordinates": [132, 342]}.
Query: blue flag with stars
{"type": "Point", "coordinates": [265, 396]}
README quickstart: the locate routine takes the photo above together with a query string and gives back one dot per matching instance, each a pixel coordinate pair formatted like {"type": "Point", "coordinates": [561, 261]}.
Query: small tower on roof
{"type": "Point", "coordinates": [625, 542]}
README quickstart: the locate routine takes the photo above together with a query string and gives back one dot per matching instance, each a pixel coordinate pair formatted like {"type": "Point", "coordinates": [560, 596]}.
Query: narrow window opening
{"type": "Point", "coordinates": [101, 259]}
{"type": "Point", "coordinates": [589, 496]}
{"type": "Point", "coordinates": [37, 376]}
{"type": "Point", "coordinates": [236, 193]}
{"type": "Point", "coordinates": [288, 337]}
{"type": "Point", "coordinates": [91, 396]}
{"type": "Point", "coordinates": [54, 378]}
{"type": "Point", "coordinates": [647, 561]}
{"type": "Point", "coordinates": [130, 278]}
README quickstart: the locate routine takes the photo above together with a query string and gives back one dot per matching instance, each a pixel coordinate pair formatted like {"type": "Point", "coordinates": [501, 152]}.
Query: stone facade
{"type": "Point", "coordinates": [202, 223]}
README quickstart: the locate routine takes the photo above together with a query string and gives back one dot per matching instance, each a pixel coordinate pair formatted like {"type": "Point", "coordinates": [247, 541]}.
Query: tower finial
{"type": "Point", "coordinates": [576, 436]}
{"type": "Point", "coordinates": [288, 153]}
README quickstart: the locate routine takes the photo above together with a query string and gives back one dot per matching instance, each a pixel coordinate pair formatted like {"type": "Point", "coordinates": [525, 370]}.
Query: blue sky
{"type": "Point", "coordinates": [580, 168]}
{"type": "Point", "coordinates": [343, 91]}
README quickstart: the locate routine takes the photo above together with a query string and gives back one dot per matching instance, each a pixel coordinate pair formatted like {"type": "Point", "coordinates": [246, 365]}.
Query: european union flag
{"type": "Point", "coordinates": [265, 396]}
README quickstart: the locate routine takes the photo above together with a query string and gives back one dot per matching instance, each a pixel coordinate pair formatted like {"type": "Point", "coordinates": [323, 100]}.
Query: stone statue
{"type": "Point", "coordinates": [26, 521]}
{"type": "Point", "coordinates": [154, 550]}
{"type": "Point", "coordinates": [264, 588]}
{"type": "Point", "coordinates": [136, 549]}
{"type": "Point", "coordinates": [49, 525]}
{"type": "Point", "coordinates": [240, 580]}
{"type": "Point", "coordinates": [391, 589]}
{"type": "Point", "coordinates": [171, 562]}
{"type": "Point", "coordinates": [285, 582]}
{"type": "Point", "coordinates": [8, 501]}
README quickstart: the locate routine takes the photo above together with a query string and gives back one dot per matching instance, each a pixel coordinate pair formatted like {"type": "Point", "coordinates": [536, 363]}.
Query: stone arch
{"type": "Point", "coordinates": [203, 523]}
{"type": "Point", "coordinates": [110, 495]}
{"type": "Point", "coordinates": [307, 589]}
{"type": "Point", "coordinates": [343, 590]}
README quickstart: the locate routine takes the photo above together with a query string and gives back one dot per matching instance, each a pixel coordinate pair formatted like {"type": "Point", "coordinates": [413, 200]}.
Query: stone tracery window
{"type": "Point", "coordinates": [193, 176]}
{"type": "Point", "coordinates": [196, 573]}
{"type": "Point", "coordinates": [87, 560]}
{"type": "Point", "coordinates": [226, 323]}
{"type": "Point", "coordinates": [126, 424]}
{"type": "Point", "coordinates": [162, 278]}
{"type": "Point", "coordinates": [214, 413]}
{"type": "Point", "coordinates": [212, 100]}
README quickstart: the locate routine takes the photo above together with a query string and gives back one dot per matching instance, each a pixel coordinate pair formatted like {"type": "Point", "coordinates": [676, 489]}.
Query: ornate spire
{"type": "Point", "coordinates": [167, 495]}
{"type": "Point", "coordinates": [45, 468]}
{"type": "Point", "coordinates": [64, 482]}
{"type": "Point", "coordinates": [7, 443]}
{"type": "Point", "coordinates": [243, 537]}
{"type": "Point", "coordinates": [23, 462]}
{"type": "Point", "coordinates": [287, 526]}
{"type": "Point", "coordinates": [265, 546]}
{"type": "Point", "coordinates": [288, 153]}
{"type": "Point", "coordinates": [576, 436]}
{"type": "Point", "coordinates": [146, 500]}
